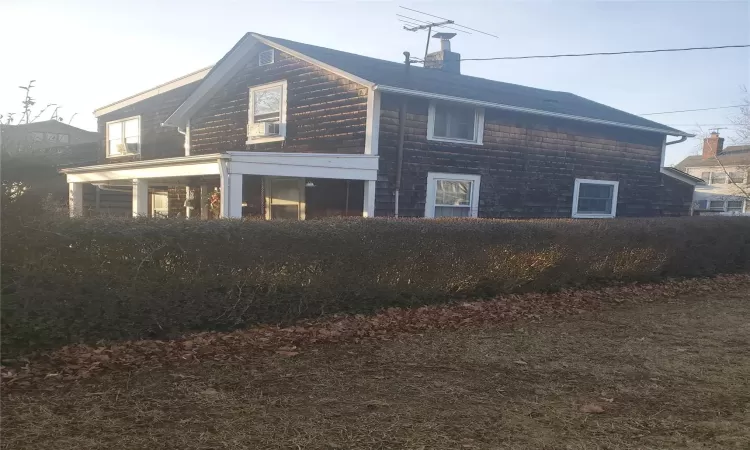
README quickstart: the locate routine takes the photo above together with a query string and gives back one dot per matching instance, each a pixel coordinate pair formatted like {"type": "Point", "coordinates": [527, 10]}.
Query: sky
{"type": "Point", "coordinates": [86, 54]}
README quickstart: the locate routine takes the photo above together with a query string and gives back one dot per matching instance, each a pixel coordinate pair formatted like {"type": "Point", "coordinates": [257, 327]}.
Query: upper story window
{"type": "Point", "coordinates": [452, 195]}
{"type": "Point", "coordinates": [267, 113]}
{"type": "Point", "coordinates": [737, 177]}
{"type": "Point", "coordinates": [124, 137]}
{"type": "Point", "coordinates": [718, 178]}
{"type": "Point", "coordinates": [266, 57]}
{"type": "Point", "coordinates": [595, 199]}
{"type": "Point", "coordinates": [452, 122]}
{"type": "Point", "coordinates": [706, 176]}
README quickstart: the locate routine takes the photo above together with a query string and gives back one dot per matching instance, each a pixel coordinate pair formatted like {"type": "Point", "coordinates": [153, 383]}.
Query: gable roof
{"type": "Point", "coordinates": [735, 155]}
{"type": "Point", "coordinates": [389, 76]}
{"type": "Point", "coordinates": [76, 135]}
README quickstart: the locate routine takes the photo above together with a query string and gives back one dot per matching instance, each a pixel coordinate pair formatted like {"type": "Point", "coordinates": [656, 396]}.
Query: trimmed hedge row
{"type": "Point", "coordinates": [67, 281]}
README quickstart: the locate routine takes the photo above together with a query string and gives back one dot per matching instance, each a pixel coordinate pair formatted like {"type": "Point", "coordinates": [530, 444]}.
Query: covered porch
{"type": "Point", "coordinates": [236, 184]}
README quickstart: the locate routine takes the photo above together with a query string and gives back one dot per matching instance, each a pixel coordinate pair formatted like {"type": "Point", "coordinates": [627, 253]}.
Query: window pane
{"type": "Point", "coordinates": [706, 176]}
{"type": "Point", "coordinates": [131, 144]}
{"type": "Point", "coordinates": [719, 178]}
{"type": "Point", "coordinates": [132, 128]}
{"type": "Point", "coordinates": [452, 192]}
{"type": "Point", "coordinates": [284, 191]}
{"type": "Point", "coordinates": [736, 177]}
{"type": "Point", "coordinates": [290, 212]}
{"type": "Point", "coordinates": [441, 123]}
{"type": "Point", "coordinates": [116, 147]}
{"type": "Point", "coordinates": [595, 198]}
{"type": "Point", "coordinates": [454, 122]}
{"type": "Point", "coordinates": [159, 204]}
{"type": "Point", "coordinates": [702, 204]}
{"type": "Point", "coordinates": [716, 204]}
{"type": "Point", "coordinates": [114, 130]}
{"type": "Point", "coordinates": [63, 138]}
{"type": "Point", "coordinates": [452, 211]}
{"type": "Point", "coordinates": [266, 102]}
{"type": "Point", "coordinates": [734, 205]}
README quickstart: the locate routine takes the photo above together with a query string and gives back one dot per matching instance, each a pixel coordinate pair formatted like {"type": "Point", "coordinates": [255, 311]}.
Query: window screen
{"type": "Point", "coordinates": [595, 198]}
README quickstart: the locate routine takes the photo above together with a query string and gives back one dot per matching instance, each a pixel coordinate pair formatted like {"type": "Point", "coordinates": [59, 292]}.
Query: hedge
{"type": "Point", "coordinates": [67, 281]}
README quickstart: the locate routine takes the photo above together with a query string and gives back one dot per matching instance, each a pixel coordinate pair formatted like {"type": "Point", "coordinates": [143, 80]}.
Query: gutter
{"type": "Point", "coordinates": [482, 103]}
{"type": "Point", "coordinates": [147, 163]}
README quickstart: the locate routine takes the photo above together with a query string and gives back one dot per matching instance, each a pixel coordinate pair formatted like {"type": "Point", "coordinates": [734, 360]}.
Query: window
{"type": "Point", "coordinates": [735, 205]}
{"type": "Point", "coordinates": [737, 177]}
{"type": "Point", "coordinates": [455, 123]}
{"type": "Point", "coordinates": [267, 105]}
{"type": "Point", "coordinates": [285, 198]}
{"type": "Point", "coordinates": [716, 205]}
{"type": "Point", "coordinates": [37, 136]}
{"type": "Point", "coordinates": [452, 195]}
{"type": "Point", "coordinates": [159, 204]}
{"type": "Point", "coordinates": [124, 137]}
{"type": "Point", "coordinates": [595, 199]}
{"type": "Point", "coordinates": [63, 138]}
{"type": "Point", "coordinates": [702, 204]}
{"type": "Point", "coordinates": [718, 178]}
{"type": "Point", "coordinates": [265, 58]}
{"type": "Point", "coordinates": [52, 137]}
{"type": "Point", "coordinates": [706, 176]}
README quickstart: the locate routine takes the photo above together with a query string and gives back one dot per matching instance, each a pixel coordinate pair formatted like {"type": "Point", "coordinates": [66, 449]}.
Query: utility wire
{"type": "Point", "coordinates": [608, 53]}
{"type": "Point", "coordinates": [456, 24]}
{"type": "Point", "coordinates": [691, 110]}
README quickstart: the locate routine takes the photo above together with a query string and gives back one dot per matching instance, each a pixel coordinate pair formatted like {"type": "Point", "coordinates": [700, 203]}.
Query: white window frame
{"type": "Point", "coordinates": [478, 125]}
{"type": "Point", "coordinates": [122, 121]}
{"type": "Point", "coordinates": [282, 122]}
{"type": "Point", "coordinates": [273, 57]}
{"type": "Point", "coordinates": [433, 177]}
{"type": "Point", "coordinates": [576, 188]}
{"type": "Point", "coordinates": [742, 210]}
{"type": "Point", "coordinates": [153, 204]}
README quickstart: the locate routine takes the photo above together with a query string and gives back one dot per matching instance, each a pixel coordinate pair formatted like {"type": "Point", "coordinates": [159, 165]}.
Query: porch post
{"type": "Point", "coordinates": [204, 201]}
{"type": "Point", "coordinates": [231, 192]}
{"type": "Point", "coordinates": [369, 204]}
{"type": "Point", "coordinates": [140, 197]}
{"type": "Point", "coordinates": [75, 199]}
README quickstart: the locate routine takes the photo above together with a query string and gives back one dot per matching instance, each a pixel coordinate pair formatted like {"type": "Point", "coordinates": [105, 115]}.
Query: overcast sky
{"type": "Point", "coordinates": [86, 54]}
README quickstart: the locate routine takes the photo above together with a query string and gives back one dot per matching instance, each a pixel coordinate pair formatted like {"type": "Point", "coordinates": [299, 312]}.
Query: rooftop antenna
{"type": "Point", "coordinates": [428, 26]}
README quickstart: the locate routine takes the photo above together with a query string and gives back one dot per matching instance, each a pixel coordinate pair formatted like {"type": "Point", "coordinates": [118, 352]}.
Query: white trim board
{"type": "Point", "coordinates": [160, 89]}
{"type": "Point", "coordinates": [677, 176]}
{"type": "Point", "coordinates": [482, 103]}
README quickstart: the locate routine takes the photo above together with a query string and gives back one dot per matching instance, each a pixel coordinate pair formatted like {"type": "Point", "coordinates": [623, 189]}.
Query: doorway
{"type": "Point", "coordinates": [285, 198]}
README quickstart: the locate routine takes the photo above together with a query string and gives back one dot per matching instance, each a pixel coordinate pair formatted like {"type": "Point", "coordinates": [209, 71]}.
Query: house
{"type": "Point", "coordinates": [287, 130]}
{"type": "Point", "coordinates": [726, 187]}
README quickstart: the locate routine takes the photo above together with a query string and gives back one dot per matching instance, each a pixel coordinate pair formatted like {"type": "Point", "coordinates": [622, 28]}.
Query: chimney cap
{"type": "Point", "coordinates": [444, 36]}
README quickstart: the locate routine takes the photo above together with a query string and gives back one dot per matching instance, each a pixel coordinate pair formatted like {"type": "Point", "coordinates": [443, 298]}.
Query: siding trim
{"type": "Point", "coordinates": [372, 126]}
{"type": "Point", "coordinates": [467, 101]}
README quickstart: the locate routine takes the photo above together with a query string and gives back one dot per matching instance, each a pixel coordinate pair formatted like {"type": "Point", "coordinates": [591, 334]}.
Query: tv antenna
{"type": "Point", "coordinates": [427, 26]}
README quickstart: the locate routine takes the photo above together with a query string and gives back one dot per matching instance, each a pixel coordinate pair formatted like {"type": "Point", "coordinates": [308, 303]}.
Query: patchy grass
{"type": "Point", "coordinates": [668, 373]}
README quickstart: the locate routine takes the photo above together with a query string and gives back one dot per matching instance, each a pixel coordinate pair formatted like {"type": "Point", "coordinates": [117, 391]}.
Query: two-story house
{"type": "Point", "coordinates": [726, 176]}
{"type": "Point", "coordinates": [282, 129]}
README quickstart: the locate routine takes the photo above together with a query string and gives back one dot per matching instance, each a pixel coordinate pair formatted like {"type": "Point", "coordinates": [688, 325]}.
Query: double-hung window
{"type": "Point", "coordinates": [267, 113]}
{"type": "Point", "coordinates": [737, 177]}
{"type": "Point", "coordinates": [159, 204]}
{"type": "Point", "coordinates": [716, 205]}
{"type": "Point", "coordinates": [452, 195]}
{"type": "Point", "coordinates": [124, 137]}
{"type": "Point", "coordinates": [718, 178]}
{"type": "Point", "coordinates": [454, 122]}
{"type": "Point", "coordinates": [595, 199]}
{"type": "Point", "coordinates": [735, 205]}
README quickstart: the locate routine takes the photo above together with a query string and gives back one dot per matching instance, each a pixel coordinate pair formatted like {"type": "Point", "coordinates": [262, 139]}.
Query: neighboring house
{"type": "Point", "coordinates": [726, 176]}
{"type": "Point", "coordinates": [289, 130]}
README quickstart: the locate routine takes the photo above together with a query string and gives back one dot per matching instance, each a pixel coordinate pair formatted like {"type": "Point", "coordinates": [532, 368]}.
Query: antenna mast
{"type": "Point", "coordinates": [428, 26]}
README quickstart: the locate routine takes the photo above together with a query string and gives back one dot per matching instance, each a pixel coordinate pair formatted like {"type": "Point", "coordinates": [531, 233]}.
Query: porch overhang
{"type": "Point", "coordinates": [152, 168]}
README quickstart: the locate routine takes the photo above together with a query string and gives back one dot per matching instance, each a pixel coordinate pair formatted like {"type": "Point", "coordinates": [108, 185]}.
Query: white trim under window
{"type": "Point", "coordinates": [274, 115]}
{"type": "Point", "coordinates": [463, 193]}
{"type": "Point", "coordinates": [448, 121]}
{"type": "Point", "coordinates": [609, 208]}
{"type": "Point", "coordinates": [123, 137]}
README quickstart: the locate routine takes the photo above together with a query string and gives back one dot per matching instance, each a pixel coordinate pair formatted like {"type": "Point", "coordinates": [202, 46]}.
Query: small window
{"type": "Point", "coordinates": [63, 138]}
{"type": "Point", "coordinates": [51, 137]}
{"type": "Point", "coordinates": [718, 178]}
{"type": "Point", "coordinates": [737, 177]}
{"type": "Point", "coordinates": [267, 113]}
{"type": "Point", "coordinates": [702, 204]}
{"type": "Point", "coordinates": [735, 205]}
{"type": "Point", "coordinates": [455, 123]}
{"type": "Point", "coordinates": [716, 205]}
{"type": "Point", "coordinates": [266, 57]}
{"type": "Point", "coordinates": [124, 137]}
{"type": "Point", "coordinates": [159, 204]}
{"type": "Point", "coordinates": [595, 199]}
{"type": "Point", "coordinates": [706, 176]}
{"type": "Point", "coordinates": [452, 195]}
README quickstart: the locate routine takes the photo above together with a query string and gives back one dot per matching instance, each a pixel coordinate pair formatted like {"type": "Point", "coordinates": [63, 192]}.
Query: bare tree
{"type": "Point", "coordinates": [28, 102]}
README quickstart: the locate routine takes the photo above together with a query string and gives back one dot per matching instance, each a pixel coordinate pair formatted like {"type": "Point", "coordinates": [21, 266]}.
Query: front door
{"type": "Point", "coordinates": [285, 198]}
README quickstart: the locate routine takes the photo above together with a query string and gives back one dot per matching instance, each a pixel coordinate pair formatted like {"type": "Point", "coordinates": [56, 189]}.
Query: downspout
{"type": "Point", "coordinates": [401, 130]}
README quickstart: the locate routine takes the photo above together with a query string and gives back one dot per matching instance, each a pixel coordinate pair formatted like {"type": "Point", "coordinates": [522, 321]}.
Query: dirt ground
{"type": "Point", "coordinates": [668, 374]}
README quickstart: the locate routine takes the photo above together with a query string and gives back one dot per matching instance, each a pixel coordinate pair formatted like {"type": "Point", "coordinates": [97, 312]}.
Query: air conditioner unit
{"type": "Point", "coordinates": [262, 129]}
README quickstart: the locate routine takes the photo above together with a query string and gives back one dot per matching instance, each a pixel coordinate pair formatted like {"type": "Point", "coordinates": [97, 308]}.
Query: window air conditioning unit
{"type": "Point", "coordinates": [263, 129]}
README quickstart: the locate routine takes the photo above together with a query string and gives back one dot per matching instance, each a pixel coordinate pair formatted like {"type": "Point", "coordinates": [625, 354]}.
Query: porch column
{"type": "Point", "coordinates": [204, 201]}
{"type": "Point", "coordinates": [231, 195]}
{"type": "Point", "coordinates": [369, 205]}
{"type": "Point", "coordinates": [140, 197]}
{"type": "Point", "coordinates": [75, 199]}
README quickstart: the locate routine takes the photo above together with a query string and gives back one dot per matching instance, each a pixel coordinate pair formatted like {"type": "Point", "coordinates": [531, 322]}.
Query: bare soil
{"type": "Point", "coordinates": [673, 373]}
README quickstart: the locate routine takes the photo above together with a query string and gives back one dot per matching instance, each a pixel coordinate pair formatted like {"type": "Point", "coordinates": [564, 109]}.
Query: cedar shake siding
{"type": "Point", "coordinates": [325, 112]}
{"type": "Point", "coordinates": [676, 197]}
{"type": "Point", "coordinates": [528, 164]}
{"type": "Point", "coordinates": [156, 141]}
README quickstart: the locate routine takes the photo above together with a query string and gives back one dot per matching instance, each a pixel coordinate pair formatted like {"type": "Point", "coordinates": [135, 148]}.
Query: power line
{"type": "Point", "coordinates": [691, 110]}
{"type": "Point", "coordinates": [456, 24]}
{"type": "Point", "coordinates": [608, 53]}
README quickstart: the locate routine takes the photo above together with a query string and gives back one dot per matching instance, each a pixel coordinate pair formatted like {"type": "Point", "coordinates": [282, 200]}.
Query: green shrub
{"type": "Point", "coordinates": [67, 281]}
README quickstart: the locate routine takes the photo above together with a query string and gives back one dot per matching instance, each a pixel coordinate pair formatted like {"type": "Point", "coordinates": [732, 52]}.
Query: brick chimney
{"type": "Point", "coordinates": [445, 59]}
{"type": "Point", "coordinates": [712, 145]}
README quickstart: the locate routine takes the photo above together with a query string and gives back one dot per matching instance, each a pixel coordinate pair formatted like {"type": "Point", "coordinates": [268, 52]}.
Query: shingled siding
{"type": "Point", "coordinates": [528, 163]}
{"type": "Point", "coordinates": [325, 112]}
{"type": "Point", "coordinates": [676, 197]}
{"type": "Point", "coordinates": [156, 141]}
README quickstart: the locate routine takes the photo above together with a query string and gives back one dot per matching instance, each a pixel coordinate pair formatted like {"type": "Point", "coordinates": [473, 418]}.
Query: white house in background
{"type": "Point", "coordinates": [726, 173]}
